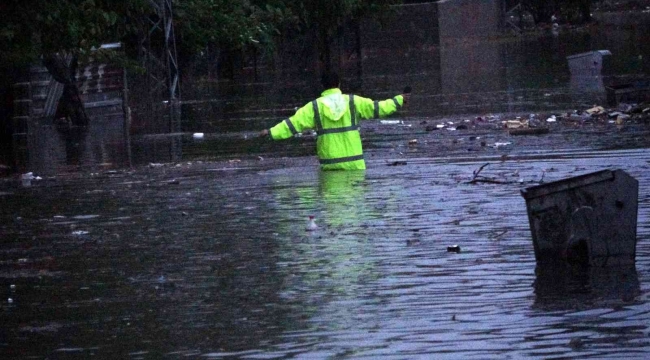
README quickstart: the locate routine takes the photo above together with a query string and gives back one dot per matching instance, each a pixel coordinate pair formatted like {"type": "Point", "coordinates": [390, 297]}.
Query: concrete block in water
{"type": "Point", "coordinates": [589, 219]}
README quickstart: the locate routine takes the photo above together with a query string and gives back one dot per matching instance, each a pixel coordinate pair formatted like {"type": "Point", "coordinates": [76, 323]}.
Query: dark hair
{"type": "Point", "coordinates": [330, 80]}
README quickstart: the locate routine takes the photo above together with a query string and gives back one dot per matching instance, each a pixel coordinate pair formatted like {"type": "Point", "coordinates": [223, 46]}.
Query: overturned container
{"type": "Point", "coordinates": [592, 63]}
{"type": "Point", "coordinates": [589, 219]}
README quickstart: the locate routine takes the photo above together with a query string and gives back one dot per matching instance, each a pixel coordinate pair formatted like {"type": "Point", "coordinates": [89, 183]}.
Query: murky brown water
{"type": "Point", "coordinates": [208, 261]}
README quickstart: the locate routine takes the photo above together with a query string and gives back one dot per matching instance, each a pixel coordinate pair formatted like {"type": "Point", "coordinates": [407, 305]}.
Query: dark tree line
{"type": "Point", "coordinates": [53, 31]}
{"type": "Point", "coordinates": [543, 11]}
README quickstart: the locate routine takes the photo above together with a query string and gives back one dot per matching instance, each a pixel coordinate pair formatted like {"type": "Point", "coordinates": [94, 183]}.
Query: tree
{"type": "Point", "coordinates": [62, 33]}
{"type": "Point", "coordinates": [577, 11]}
{"type": "Point", "coordinates": [208, 28]}
{"type": "Point", "coordinates": [326, 18]}
{"type": "Point", "coordinates": [233, 24]}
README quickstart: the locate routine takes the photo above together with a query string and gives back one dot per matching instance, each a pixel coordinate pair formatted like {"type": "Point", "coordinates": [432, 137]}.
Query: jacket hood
{"type": "Point", "coordinates": [334, 106]}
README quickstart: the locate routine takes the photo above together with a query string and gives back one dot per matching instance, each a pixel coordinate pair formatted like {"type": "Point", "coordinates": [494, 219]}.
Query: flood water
{"type": "Point", "coordinates": [515, 74]}
{"type": "Point", "coordinates": [214, 262]}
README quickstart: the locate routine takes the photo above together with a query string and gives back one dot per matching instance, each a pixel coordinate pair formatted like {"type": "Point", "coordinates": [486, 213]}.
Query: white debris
{"type": "Point", "coordinates": [26, 179]}
{"type": "Point", "coordinates": [311, 225]}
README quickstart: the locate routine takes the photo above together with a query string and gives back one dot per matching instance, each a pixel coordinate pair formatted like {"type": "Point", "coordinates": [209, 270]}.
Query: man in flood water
{"type": "Point", "coordinates": [335, 117]}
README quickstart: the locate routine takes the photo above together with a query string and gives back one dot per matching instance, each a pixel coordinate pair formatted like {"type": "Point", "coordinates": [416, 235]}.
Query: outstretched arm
{"type": "Point", "coordinates": [302, 120]}
{"type": "Point", "coordinates": [373, 109]}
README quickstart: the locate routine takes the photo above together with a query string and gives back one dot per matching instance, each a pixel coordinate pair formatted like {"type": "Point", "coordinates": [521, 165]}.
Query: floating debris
{"type": "Point", "coordinates": [501, 144]}
{"type": "Point", "coordinates": [392, 122]}
{"type": "Point", "coordinates": [412, 242]}
{"type": "Point", "coordinates": [311, 224]}
{"type": "Point", "coordinates": [576, 343]}
{"type": "Point", "coordinates": [596, 110]}
{"type": "Point", "coordinates": [515, 124]}
{"type": "Point", "coordinates": [397, 163]}
{"type": "Point", "coordinates": [529, 131]}
{"type": "Point", "coordinates": [26, 179]}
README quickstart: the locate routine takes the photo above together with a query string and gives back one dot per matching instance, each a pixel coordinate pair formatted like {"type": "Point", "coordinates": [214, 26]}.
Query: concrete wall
{"type": "Point", "coordinates": [40, 146]}
{"type": "Point", "coordinates": [469, 63]}
{"type": "Point", "coordinates": [460, 19]}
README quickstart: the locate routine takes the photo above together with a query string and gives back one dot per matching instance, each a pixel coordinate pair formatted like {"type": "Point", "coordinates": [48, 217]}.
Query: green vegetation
{"type": "Point", "coordinates": [60, 34]}
{"type": "Point", "coordinates": [326, 18]}
{"type": "Point", "coordinates": [33, 28]}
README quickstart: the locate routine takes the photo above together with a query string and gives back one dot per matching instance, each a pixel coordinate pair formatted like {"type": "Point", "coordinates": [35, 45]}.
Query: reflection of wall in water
{"type": "Point", "coordinates": [52, 151]}
{"type": "Point", "coordinates": [103, 142]}
{"type": "Point", "coordinates": [469, 63]}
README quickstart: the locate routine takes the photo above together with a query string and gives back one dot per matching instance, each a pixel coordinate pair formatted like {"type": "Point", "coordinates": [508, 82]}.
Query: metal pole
{"type": "Point", "coordinates": [173, 80]}
{"type": "Point", "coordinates": [127, 119]}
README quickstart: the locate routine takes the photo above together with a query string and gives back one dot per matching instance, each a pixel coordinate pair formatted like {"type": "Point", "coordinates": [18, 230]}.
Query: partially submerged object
{"type": "Point", "coordinates": [311, 224]}
{"type": "Point", "coordinates": [589, 63]}
{"type": "Point", "coordinates": [589, 219]}
{"type": "Point", "coordinates": [633, 92]}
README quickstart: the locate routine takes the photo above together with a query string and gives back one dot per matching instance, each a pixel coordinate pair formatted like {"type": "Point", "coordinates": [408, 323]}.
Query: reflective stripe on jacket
{"type": "Point", "coordinates": [335, 117]}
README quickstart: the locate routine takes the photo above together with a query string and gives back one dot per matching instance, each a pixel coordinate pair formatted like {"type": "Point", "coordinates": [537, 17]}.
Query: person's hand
{"type": "Point", "coordinates": [264, 133]}
{"type": "Point", "coordinates": [406, 95]}
{"type": "Point", "coordinates": [405, 98]}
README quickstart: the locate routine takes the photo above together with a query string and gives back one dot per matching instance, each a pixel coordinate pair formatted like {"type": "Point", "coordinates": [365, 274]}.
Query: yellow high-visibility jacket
{"type": "Point", "coordinates": [335, 117]}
